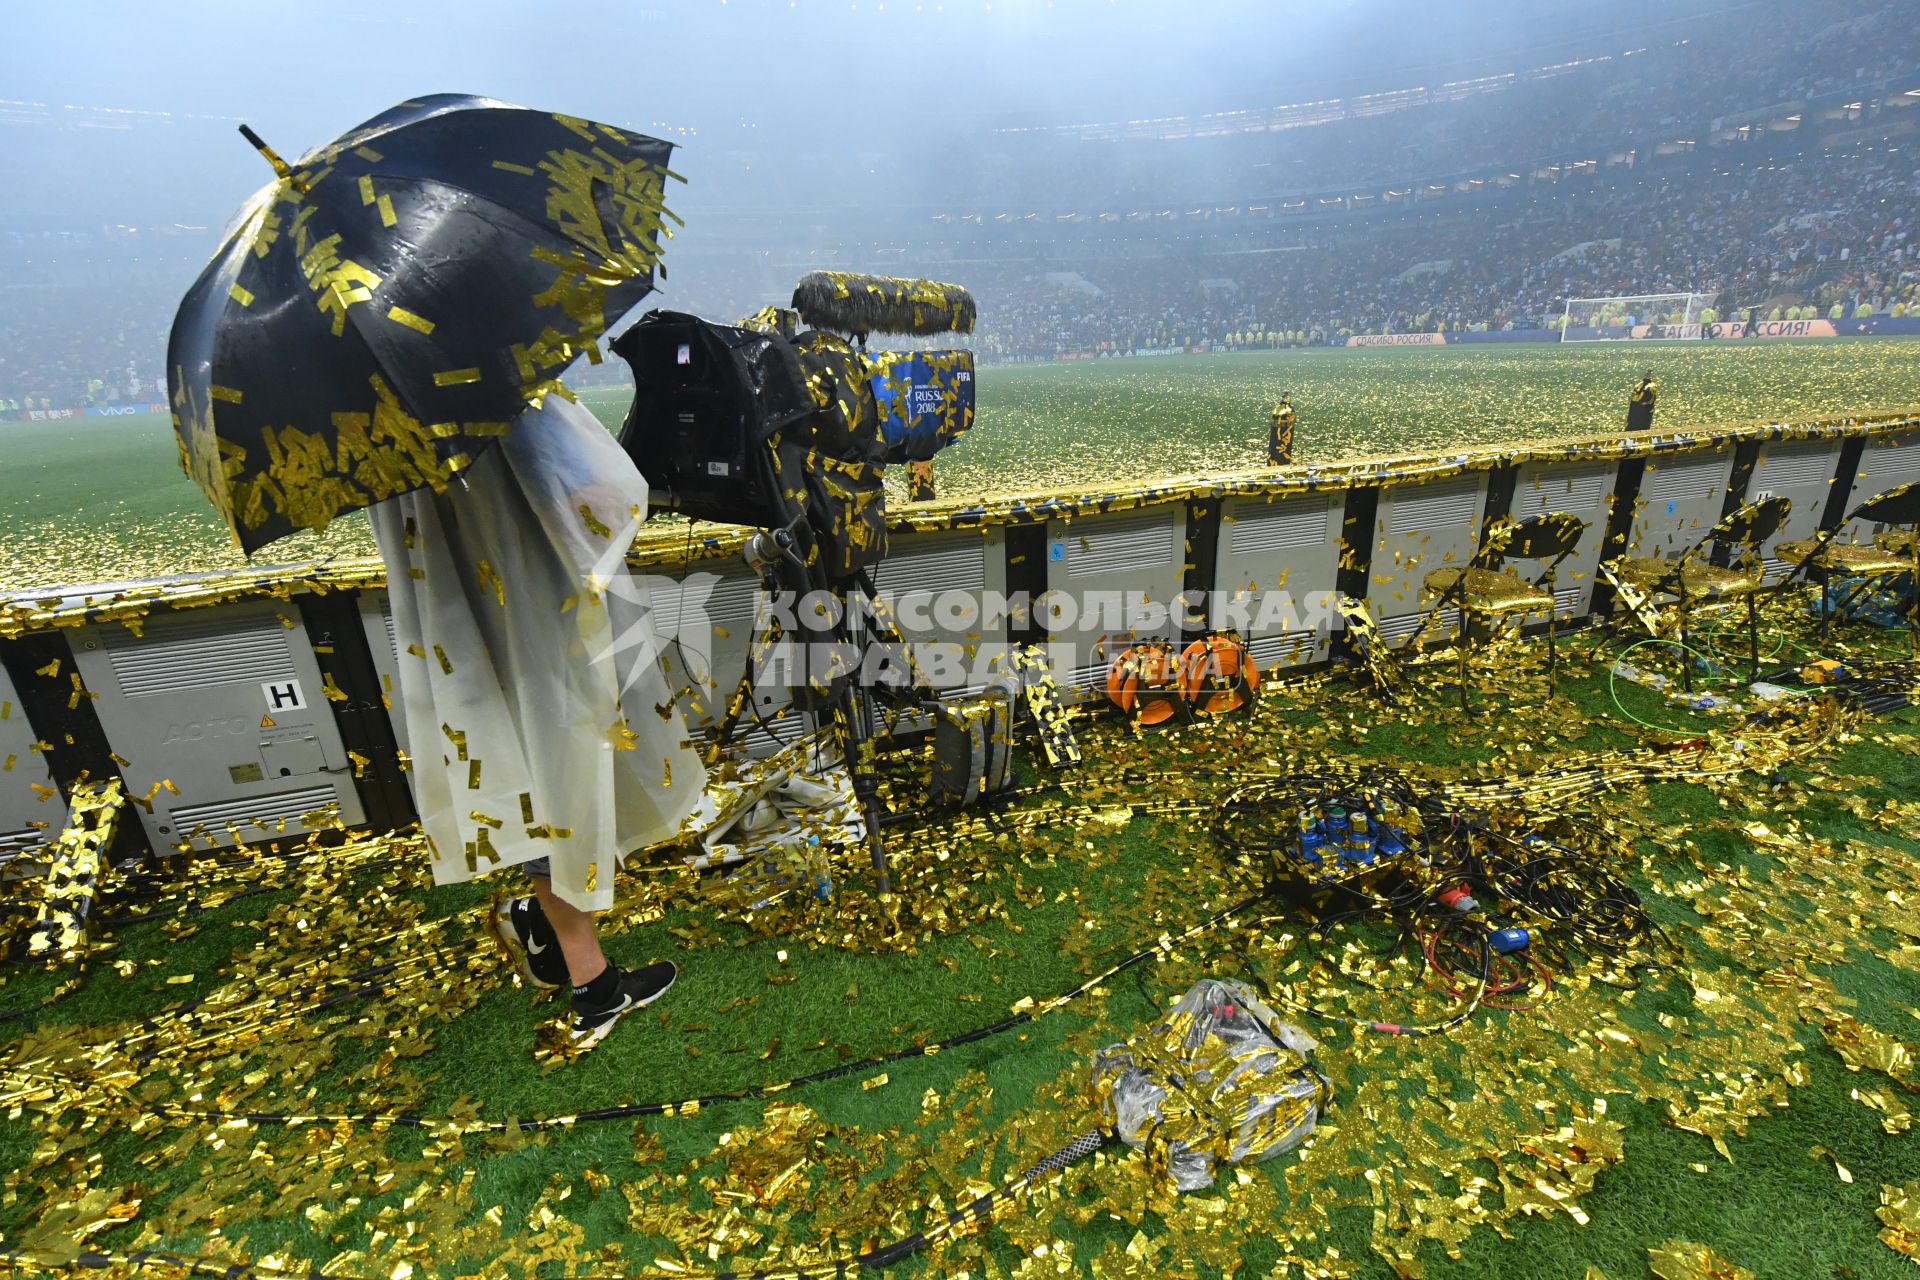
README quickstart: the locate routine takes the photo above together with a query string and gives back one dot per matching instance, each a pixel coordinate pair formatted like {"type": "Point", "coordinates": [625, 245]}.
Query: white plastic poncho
{"type": "Point", "coordinates": [539, 721]}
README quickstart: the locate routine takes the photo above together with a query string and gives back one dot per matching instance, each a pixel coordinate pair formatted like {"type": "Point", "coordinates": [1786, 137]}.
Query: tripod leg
{"type": "Point", "coordinates": [1686, 654]}
{"type": "Point", "coordinates": [857, 729]}
{"type": "Point", "coordinates": [743, 692]}
{"type": "Point", "coordinates": [1553, 655]}
{"type": "Point", "coordinates": [1461, 642]}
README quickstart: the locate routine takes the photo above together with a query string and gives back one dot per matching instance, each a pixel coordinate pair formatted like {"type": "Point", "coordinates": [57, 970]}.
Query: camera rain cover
{"type": "Point", "coordinates": [707, 398]}
{"type": "Point", "coordinates": [925, 399]}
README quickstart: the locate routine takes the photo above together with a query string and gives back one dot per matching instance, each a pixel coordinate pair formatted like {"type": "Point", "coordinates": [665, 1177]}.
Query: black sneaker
{"type": "Point", "coordinates": [637, 989]}
{"type": "Point", "coordinates": [531, 942]}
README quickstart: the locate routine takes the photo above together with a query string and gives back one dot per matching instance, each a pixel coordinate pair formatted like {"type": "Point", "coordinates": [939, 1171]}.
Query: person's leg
{"type": "Point", "coordinates": [579, 943]}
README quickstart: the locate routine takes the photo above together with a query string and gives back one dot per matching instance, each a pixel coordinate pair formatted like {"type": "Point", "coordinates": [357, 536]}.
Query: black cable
{"type": "Point", "coordinates": [68, 985]}
{"type": "Point", "coordinates": [688, 1106]}
{"type": "Point", "coordinates": [980, 1209]}
{"type": "Point", "coordinates": [1564, 899]}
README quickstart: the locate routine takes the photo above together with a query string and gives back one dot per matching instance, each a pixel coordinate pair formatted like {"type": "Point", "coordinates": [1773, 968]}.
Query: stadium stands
{"type": "Point", "coordinates": [1773, 165]}
{"type": "Point", "coordinates": [1809, 232]}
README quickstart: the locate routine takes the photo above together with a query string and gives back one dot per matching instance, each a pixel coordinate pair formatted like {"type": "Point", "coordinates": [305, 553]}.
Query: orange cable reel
{"type": "Point", "coordinates": [1144, 683]}
{"type": "Point", "coordinates": [1218, 675]}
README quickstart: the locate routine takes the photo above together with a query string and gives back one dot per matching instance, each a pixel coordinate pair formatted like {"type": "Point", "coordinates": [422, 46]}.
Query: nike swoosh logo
{"type": "Point", "coordinates": [534, 946]}
{"type": "Point", "coordinates": [626, 1003]}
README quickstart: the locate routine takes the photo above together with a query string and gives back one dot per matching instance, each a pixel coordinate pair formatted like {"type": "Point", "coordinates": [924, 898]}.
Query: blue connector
{"type": "Point", "coordinates": [1312, 840]}
{"type": "Point", "coordinates": [1508, 940]}
{"type": "Point", "coordinates": [1335, 825]}
{"type": "Point", "coordinates": [1358, 849]}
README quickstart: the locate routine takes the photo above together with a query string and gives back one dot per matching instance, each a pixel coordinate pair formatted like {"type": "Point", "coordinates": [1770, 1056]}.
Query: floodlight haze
{"type": "Point", "coordinates": [855, 117]}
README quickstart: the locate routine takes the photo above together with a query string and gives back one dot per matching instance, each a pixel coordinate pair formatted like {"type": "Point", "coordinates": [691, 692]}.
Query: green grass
{"type": "Point", "coordinates": [95, 500]}
{"type": "Point", "coordinates": [99, 499]}
{"type": "Point", "coordinates": [1021, 906]}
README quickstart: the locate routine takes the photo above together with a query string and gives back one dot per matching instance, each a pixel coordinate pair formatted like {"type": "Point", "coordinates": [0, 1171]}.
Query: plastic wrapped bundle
{"type": "Point", "coordinates": [1218, 1079]}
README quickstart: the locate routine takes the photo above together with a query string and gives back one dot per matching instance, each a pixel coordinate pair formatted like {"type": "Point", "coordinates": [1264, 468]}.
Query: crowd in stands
{"type": "Point", "coordinates": [1807, 235]}
{"type": "Point", "coordinates": [1792, 229]}
{"type": "Point", "coordinates": [1670, 87]}
{"type": "Point", "coordinates": [83, 322]}
{"type": "Point", "coordinates": [1830, 235]}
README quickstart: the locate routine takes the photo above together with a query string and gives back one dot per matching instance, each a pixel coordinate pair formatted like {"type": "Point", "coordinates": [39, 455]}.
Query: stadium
{"type": "Point", "coordinates": [1272, 642]}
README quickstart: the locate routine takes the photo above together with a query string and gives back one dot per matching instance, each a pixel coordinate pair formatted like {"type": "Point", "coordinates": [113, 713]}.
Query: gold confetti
{"type": "Point", "coordinates": [400, 315]}
{"type": "Point", "coordinates": [1900, 1211]}
{"type": "Point", "coordinates": [1681, 1260]}
{"type": "Point", "coordinates": [1819, 1152]}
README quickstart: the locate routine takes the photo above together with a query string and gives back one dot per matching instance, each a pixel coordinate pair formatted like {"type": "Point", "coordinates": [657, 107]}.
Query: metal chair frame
{"type": "Point", "coordinates": [1745, 529]}
{"type": "Point", "coordinates": [1898, 506]}
{"type": "Point", "coordinates": [1550, 536]}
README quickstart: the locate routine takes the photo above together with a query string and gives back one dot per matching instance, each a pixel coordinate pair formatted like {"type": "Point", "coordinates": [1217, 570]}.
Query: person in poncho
{"type": "Point", "coordinates": [543, 733]}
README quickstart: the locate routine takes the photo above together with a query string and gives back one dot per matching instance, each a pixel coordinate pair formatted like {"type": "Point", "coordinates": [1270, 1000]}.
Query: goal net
{"type": "Point", "coordinates": [1640, 316]}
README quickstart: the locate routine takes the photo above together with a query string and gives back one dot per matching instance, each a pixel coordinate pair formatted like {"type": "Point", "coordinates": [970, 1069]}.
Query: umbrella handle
{"type": "Point", "coordinates": [273, 157]}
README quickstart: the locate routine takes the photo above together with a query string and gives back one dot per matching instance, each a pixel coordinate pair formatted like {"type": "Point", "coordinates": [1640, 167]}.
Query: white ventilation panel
{"type": "Point", "coordinates": [1442, 504]}
{"type": "Point", "coordinates": [1674, 481]}
{"type": "Point", "coordinates": [1091, 675]}
{"type": "Point", "coordinates": [202, 655]}
{"type": "Point", "coordinates": [956, 566]}
{"type": "Point", "coordinates": [1280, 527]}
{"type": "Point", "coordinates": [1900, 460]}
{"type": "Point", "coordinates": [1284, 649]}
{"type": "Point", "coordinates": [1793, 468]}
{"type": "Point", "coordinates": [1131, 544]}
{"type": "Point", "coordinates": [778, 732]}
{"type": "Point", "coordinates": [254, 816]}
{"type": "Point", "coordinates": [1404, 627]}
{"type": "Point", "coordinates": [731, 602]}
{"type": "Point", "coordinates": [1574, 490]}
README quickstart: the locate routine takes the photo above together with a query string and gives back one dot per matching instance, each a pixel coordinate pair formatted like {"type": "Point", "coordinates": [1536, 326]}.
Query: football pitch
{"type": "Point", "coordinates": [100, 500]}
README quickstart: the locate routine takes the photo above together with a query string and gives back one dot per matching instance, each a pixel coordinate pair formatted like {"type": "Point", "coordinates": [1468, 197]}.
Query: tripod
{"type": "Point", "coordinates": [836, 695]}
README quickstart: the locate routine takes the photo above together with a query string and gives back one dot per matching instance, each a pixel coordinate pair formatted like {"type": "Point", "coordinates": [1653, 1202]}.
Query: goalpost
{"type": "Point", "coordinates": [1640, 317]}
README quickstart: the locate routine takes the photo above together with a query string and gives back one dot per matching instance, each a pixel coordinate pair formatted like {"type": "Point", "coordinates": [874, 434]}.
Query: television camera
{"type": "Point", "coordinates": [764, 423]}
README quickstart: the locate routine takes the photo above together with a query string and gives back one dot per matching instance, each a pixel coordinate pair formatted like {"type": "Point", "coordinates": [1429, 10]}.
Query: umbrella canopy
{"type": "Point", "coordinates": [391, 302]}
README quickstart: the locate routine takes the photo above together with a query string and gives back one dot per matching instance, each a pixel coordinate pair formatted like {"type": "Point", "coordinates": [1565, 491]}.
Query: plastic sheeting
{"type": "Point", "coordinates": [1219, 1078]}
{"type": "Point", "coordinates": [780, 822]}
{"type": "Point", "coordinates": [540, 722]}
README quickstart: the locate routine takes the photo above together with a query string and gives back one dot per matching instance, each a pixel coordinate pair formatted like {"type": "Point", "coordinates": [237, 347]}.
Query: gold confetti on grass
{"type": "Point", "coordinates": [1900, 1211]}
{"type": "Point", "coordinates": [1819, 1152]}
{"type": "Point", "coordinates": [1043, 426]}
{"type": "Point", "coordinates": [1507, 1116]}
{"type": "Point", "coordinates": [1683, 1260]}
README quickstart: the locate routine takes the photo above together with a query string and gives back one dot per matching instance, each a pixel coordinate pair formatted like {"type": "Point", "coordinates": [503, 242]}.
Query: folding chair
{"type": "Point", "coordinates": [1693, 581]}
{"type": "Point", "coordinates": [1484, 588]}
{"type": "Point", "coordinates": [1893, 551]}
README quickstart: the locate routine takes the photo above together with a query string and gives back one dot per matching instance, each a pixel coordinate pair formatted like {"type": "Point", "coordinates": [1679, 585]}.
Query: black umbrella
{"type": "Point", "coordinates": [389, 304]}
